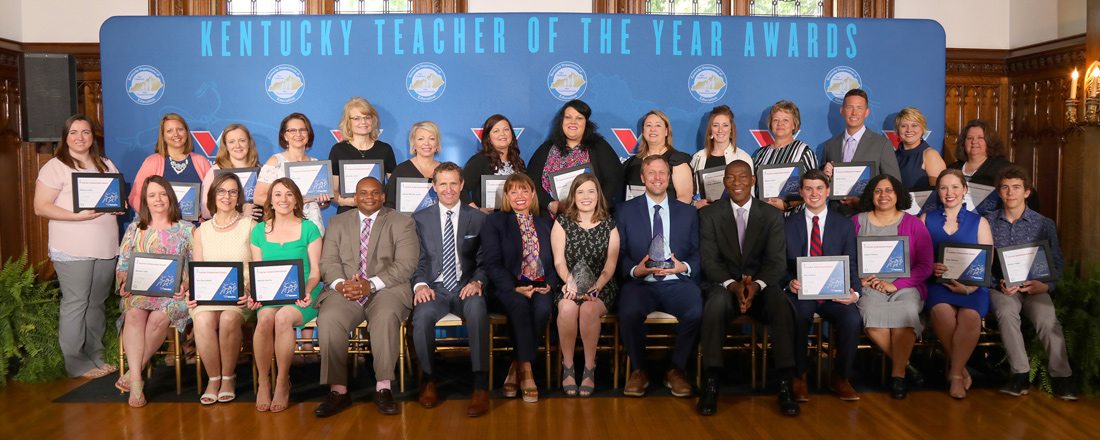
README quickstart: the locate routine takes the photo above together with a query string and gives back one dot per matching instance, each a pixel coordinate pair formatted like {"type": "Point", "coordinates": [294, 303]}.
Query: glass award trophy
{"type": "Point", "coordinates": [658, 255]}
{"type": "Point", "coordinates": [540, 274]}
{"type": "Point", "coordinates": [582, 279]}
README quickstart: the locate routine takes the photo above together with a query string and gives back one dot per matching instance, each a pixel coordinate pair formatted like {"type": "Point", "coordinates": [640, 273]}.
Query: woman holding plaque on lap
{"type": "Point", "coordinates": [295, 136]}
{"type": "Point", "coordinates": [719, 149]}
{"type": "Point", "coordinates": [284, 235]}
{"type": "Point", "coordinates": [586, 249]}
{"type": "Point", "coordinates": [520, 261]}
{"type": "Point", "coordinates": [238, 150]}
{"type": "Point", "coordinates": [574, 143]}
{"type": "Point", "coordinates": [173, 159]}
{"type": "Point", "coordinates": [784, 122]}
{"type": "Point", "coordinates": [656, 139]}
{"type": "Point", "coordinates": [83, 244]}
{"type": "Point", "coordinates": [218, 327]}
{"type": "Point", "coordinates": [956, 310]}
{"type": "Point", "coordinates": [919, 163]}
{"type": "Point", "coordinates": [359, 130]}
{"type": "Point", "coordinates": [145, 319]}
{"type": "Point", "coordinates": [890, 305]}
{"type": "Point", "coordinates": [499, 156]}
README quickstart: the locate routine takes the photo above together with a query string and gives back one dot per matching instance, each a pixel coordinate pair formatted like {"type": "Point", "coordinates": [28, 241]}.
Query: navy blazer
{"type": "Point", "coordinates": [765, 246]}
{"type": "Point", "coordinates": [468, 242]}
{"type": "Point", "coordinates": [838, 237]}
{"type": "Point", "coordinates": [635, 234]}
{"type": "Point", "coordinates": [502, 250]}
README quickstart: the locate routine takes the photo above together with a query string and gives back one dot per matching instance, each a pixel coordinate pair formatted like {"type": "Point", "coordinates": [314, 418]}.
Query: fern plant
{"type": "Point", "coordinates": [29, 324]}
{"type": "Point", "coordinates": [1077, 305]}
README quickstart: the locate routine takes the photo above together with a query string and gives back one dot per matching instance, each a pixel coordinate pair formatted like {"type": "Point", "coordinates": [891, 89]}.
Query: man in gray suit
{"type": "Point", "coordinates": [449, 279]}
{"type": "Point", "coordinates": [368, 257]}
{"type": "Point", "coordinates": [858, 144]}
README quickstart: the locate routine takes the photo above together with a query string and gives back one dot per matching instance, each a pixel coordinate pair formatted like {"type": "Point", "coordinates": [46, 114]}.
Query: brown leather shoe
{"type": "Point", "coordinates": [479, 403]}
{"type": "Point", "coordinates": [428, 398]}
{"type": "Point", "coordinates": [676, 381]}
{"type": "Point", "coordinates": [842, 388]}
{"type": "Point", "coordinates": [801, 392]}
{"type": "Point", "coordinates": [636, 384]}
{"type": "Point", "coordinates": [385, 402]}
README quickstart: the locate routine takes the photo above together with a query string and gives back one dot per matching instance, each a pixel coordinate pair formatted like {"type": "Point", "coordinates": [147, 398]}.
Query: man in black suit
{"type": "Point", "coordinates": [818, 232]}
{"type": "Point", "coordinates": [448, 279]}
{"type": "Point", "coordinates": [742, 245]}
{"type": "Point", "coordinates": [858, 144]}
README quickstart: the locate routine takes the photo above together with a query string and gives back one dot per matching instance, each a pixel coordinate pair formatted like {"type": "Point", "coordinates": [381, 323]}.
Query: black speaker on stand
{"type": "Point", "coordinates": [47, 94]}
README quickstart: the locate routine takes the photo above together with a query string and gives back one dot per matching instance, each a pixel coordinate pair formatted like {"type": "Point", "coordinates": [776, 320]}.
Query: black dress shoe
{"type": "Point", "coordinates": [897, 388]}
{"type": "Point", "coordinates": [384, 400]}
{"type": "Point", "coordinates": [914, 375]}
{"type": "Point", "coordinates": [1018, 385]}
{"type": "Point", "coordinates": [334, 403]}
{"type": "Point", "coordinates": [787, 404]}
{"type": "Point", "coordinates": [708, 402]}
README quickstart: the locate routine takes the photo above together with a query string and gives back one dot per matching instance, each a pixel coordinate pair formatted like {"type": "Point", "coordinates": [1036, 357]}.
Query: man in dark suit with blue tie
{"type": "Point", "coordinates": [819, 231]}
{"type": "Point", "coordinates": [742, 247]}
{"type": "Point", "coordinates": [673, 290]}
{"type": "Point", "coordinates": [449, 279]}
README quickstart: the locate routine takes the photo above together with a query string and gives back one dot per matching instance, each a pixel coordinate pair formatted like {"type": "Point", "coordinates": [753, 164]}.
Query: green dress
{"type": "Point", "coordinates": [288, 251]}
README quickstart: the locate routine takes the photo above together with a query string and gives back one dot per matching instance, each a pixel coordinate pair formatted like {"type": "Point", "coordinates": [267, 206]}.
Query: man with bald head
{"type": "Point", "coordinates": [368, 257]}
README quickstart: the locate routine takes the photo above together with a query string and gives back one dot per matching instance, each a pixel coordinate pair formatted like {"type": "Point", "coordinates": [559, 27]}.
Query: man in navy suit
{"type": "Point", "coordinates": [647, 289]}
{"type": "Point", "coordinates": [817, 232]}
{"type": "Point", "coordinates": [448, 279]}
{"type": "Point", "coordinates": [742, 246]}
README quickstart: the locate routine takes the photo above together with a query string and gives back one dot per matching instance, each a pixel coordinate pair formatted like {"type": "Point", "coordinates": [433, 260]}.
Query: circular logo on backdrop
{"type": "Point", "coordinates": [426, 82]}
{"type": "Point", "coordinates": [707, 83]}
{"type": "Point", "coordinates": [145, 85]}
{"type": "Point", "coordinates": [567, 81]}
{"type": "Point", "coordinates": [285, 84]}
{"type": "Point", "coordinates": [839, 81]}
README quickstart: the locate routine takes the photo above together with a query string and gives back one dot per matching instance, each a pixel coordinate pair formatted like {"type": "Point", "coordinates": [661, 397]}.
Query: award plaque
{"type": "Point", "coordinates": [561, 180]}
{"type": "Point", "coordinates": [492, 191]}
{"type": "Point", "coordinates": [984, 198]}
{"type": "Point", "coordinates": [923, 201]}
{"type": "Point", "coordinates": [154, 274]}
{"type": "Point", "coordinates": [414, 194]}
{"type": "Point", "coordinates": [633, 191]}
{"type": "Point", "coordinates": [711, 183]}
{"type": "Point", "coordinates": [313, 177]}
{"type": "Point", "coordinates": [883, 257]}
{"type": "Point", "coordinates": [187, 194]}
{"type": "Point", "coordinates": [278, 282]}
{"type": "Point", "coordinates": [966, 263]}
{"type": "Point", "coordinates": [851, 178]}
{"type": "Point", "coordinates": [100, 192]}
{"type": "Point", "coordinates": [1026, 262]}
{"type": "Point", "coordinates": [352, 171]}
{"type": "Point", "coordinates": [216, 282]}
{"type": "Point", "coordinates": [658, 254]}
{"type": "Point", "coordinates": [248, 178]}
{"type": "Point", "coordinates": [823, 277]}
{"type": "Point", "coordinates": [779, 181]}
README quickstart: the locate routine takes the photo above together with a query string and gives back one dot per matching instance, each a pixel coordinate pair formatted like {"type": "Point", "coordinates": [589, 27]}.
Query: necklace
{"type": "Point", "coordinates": [178, 167]}
{"type": "Point", "coordinates": [214, 221]}
{"type": "Point", "coordinates": [416, 163]}
{"type": "Point", "coordinates": [362, 153]}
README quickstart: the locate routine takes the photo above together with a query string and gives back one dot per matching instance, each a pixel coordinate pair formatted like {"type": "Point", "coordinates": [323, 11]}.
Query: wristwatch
{"type": "Point", "coordinates": [372, 288]}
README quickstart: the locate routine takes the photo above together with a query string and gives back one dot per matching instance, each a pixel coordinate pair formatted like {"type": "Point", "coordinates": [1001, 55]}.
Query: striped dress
{"type": "Point", "coordinates": [796, 151]}
{"type": "Point", "coordinates": [175, 241]}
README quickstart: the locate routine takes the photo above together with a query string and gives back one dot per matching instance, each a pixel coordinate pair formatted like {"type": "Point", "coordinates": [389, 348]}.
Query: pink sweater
{"type": "Point", "coordinates": [154, 166]}
{"type": "Point", "coordinates": [920, 253]}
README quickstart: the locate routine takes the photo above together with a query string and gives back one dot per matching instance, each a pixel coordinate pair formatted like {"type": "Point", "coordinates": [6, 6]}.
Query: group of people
{"type": "Point", "coordinates": [579, 256]}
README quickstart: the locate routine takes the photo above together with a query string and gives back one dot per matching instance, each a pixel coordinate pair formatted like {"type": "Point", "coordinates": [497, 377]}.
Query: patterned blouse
{"type": "Point", "coordinates": [555, 161]}
{"type": "Point", "coordinates": [172, 241]}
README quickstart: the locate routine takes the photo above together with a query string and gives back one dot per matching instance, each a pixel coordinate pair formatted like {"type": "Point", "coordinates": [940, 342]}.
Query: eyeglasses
{"type": "Point", "coordinates": [360, 118]}
{"type": "Point", "coordinates": [231, 192]}
{"type": "Point", "coordinates": [297, 130]}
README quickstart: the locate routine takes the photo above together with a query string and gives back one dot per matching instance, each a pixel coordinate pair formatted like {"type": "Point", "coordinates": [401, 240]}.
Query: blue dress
{"type": "Point", "coordinates": [967, 233]}
{"type": "Point", "coordinates": [910, 163]}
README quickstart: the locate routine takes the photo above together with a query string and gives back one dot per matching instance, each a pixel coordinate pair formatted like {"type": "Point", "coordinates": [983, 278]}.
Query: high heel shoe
{"type": "Point", "coordinates": [569, 373]}
{"type": "Point", "coordinates": [137, 388]}
{"type": "Point", "coordinates": [530, 394]}
{"type": "Point", "coordinates": [969, 380]}
{"type": "Point", "coordinates": [952, 393]}
{"type": "Point", "coordinates": [210, 398]}
{"type": "Point", "coordinates": [228, 396]}
{"type": "Point", "coordinates": [588, 374]}
{"type": "Point", "coordinates": [510, 388]}
{"type": "Point", "coordinates": [285, 404]}
{"type": "Point", "coordinates": [261, 407]}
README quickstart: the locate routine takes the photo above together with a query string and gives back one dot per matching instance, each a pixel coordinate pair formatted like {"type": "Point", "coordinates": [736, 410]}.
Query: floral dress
{"type": "Point", "coordinates": [175, 240]}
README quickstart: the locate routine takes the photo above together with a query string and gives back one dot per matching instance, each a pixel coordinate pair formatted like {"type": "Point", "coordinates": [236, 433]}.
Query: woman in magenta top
{"type": "Point", "coordinates": [890, 306]}
{"type": "Point", "coordinates": [173, 159]}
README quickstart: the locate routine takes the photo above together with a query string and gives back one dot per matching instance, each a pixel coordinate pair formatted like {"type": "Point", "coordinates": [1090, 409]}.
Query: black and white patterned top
{"type": "Point", "coordinates": [589, 246]}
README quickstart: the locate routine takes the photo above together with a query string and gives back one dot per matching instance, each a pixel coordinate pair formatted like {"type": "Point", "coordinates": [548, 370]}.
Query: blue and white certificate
{"type": "Point", "coordinates": [823, 278]}
{"type": "Point", "coordinates": [100, 192]}
{"type": "Point", "coordinates": [313, 178]}
{"type": "Point", "coordinates": [983, 197]}
{"type": "Point", "coordinates": [352, 171]}
{"type": "Point", "coordinates": [1026, 262]}
{"type": "Point", "coordinates": [414, 194]}
{"type": "Point", "coordinates": [966, 263]}
{"type": "Point", "coordinates": [216, 282]}
{"type": "Point", "coordinates": [562, 180]}
{"type": "Point", "coordinates": [923, 201]}
{"type": "Point", "coordinates": [778, 181]}
{"type": "Point", "coordinates": [277, 282]}
{"type": "Point", "coordinates": [187, 194]}
{"type": "Point", "coordinates": [248, 178]}
{"type": "Point", "coordinates": [154, 274]}
{"type": "Point", "coordinates": [883, 257]}
{"type": "Point", "coordinates": [851, 178]}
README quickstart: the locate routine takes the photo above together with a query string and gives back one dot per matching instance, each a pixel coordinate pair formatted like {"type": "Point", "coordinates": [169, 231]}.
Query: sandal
{"type": "Point", "coordinates": [123, 383]}
{"type": "Point", "coordinates": [137, 389]}
{"type": "Point", "coordinates": [530, 394]}
{"type": "Point", "coordinates": [228, 396]}
{"type": "Point", "coordinates": [264, 406]}
{"type": "Point", "coordinates": [951, 393]}
{"type": "Point", "coordinates": [277, 407]}
{"type": "Point", "coordinates": [94, 373]}
{"type": "Point", "coordinates": [589, 374]}
{"type": "Point", "coordinates": [510, 388]}
{"type": "Point", "coordinates": [569, 373]}
{"type": "Point", "coordinates": [210, 398]}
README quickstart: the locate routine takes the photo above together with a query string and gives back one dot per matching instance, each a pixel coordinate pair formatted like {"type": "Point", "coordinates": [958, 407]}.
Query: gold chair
{"type": "Point", "coordinates": [497, 320]}
{"type": "Point", "coordinates": [452, 320]}
{"type": "Point", "coordinates": [173, 350]}
{"type": "Point", "coordinates": [735, 343]}
{"type": "Point", "coordinates": [602, 344]}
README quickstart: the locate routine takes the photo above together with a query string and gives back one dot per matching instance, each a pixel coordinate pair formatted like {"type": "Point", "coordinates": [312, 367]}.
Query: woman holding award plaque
{"type": "Point", "coordinates": [145, 319]}
{"type": "Point", "coordinates": [359, 130]}
{"type": "Point", "coordinates": [173, 159]}
{"type": "Point", "coordinates": [517, 254]}
{"type": "Point", "coordinates": [586, 250]}
{"type": "Point", "coordinates": [656, 139]}
{"type": "Point", "coordinates": [956, 310]}
{"type": "Point", "coordinates": [890, 305]}
{"type": "Point", "coordinates": [238, 150]}
{"type": "Point", "coordinates": [719, 149]}
{"type": "Point", "coordinates": [784, 121]}
{"type": "Point", "coordinates": [218, 327]}
{"type": "Point", "coordinates": [499, 156]}
{"type": "Point", "coordinates": [83, 246]}
{"type": "Point", "coordinates": [285, 234]}
{"type": "Point", "coordinates": [295, 136]}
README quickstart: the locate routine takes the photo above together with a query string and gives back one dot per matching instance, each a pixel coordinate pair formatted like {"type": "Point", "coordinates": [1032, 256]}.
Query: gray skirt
{"type": "Point", "coordinates": [900, 309]}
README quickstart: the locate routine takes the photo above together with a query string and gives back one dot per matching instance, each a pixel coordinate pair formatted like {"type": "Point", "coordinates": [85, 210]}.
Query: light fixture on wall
{"type": "Point", "coordinates": [1092, 96]}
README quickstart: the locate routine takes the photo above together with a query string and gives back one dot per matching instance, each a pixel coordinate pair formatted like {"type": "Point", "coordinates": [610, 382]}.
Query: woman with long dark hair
{"type": "Point", "coordinates": [499, 156]}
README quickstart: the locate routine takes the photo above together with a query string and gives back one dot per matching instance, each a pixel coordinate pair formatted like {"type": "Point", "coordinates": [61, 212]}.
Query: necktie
{"type": "Point", "coordinates": [450, 277]}
{"type": "Point", "coordinates": [849, 149]}
{"type": "Point", "coordinates": [741, 229]}
{"type": "Point", "coordinates": [815, 240]}
{"type": "Point", "coordinates": [364, 239]}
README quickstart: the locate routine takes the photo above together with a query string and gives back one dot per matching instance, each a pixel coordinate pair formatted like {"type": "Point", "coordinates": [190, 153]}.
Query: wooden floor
{"type": "Point", "coordinates": [28, 413]}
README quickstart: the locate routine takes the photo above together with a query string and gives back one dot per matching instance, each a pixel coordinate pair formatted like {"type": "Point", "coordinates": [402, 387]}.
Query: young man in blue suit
{"type": "Point", "coordinates": [672, 290]}
{"type": "Point", "coordinates": [448, 279]}
{"type": "Point", "coordinates": [816, 232]}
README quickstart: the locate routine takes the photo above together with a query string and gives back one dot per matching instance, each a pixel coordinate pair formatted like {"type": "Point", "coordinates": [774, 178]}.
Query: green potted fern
{"type": "Point", "coordinates": [28, 325]}
{"type": "Point", "coordinates": [1077, 304]}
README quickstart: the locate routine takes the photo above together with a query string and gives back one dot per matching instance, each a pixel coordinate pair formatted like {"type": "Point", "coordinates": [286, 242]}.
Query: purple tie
{"type": "Point", "coordinates": [741, 228]}
{"type": "Point", "coordinates": [364, 238]}
{"type": "Point", "coordinates": [849, 149]}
